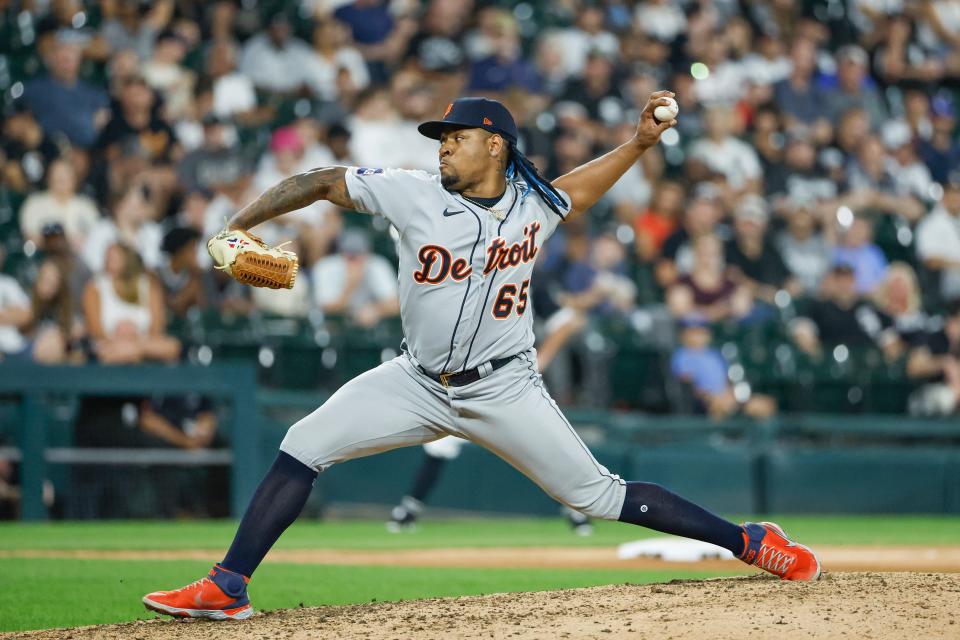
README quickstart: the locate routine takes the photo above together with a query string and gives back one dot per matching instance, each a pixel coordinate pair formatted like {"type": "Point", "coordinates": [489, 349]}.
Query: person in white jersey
{"type": "Point", "coordinates": [468, 242]}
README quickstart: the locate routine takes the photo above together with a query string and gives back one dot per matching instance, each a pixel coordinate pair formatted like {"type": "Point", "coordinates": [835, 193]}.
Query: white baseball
{"type": "Point", "coordinates": [668, 112]}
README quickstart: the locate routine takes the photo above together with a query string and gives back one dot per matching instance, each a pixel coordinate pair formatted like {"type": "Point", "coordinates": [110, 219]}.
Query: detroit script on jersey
{"type": "Point", "coordinates": [464, 275]}
{"type": "Point", "coordinates": [437, 262]}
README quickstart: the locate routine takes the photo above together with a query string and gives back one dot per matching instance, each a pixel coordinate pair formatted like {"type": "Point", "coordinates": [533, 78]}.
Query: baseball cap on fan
{"type": "Point", "coordinates": [473, 113]}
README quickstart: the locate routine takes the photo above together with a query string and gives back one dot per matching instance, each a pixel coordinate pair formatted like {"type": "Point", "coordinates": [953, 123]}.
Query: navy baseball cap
{"type": "Point", "coordinates": [473, 113]}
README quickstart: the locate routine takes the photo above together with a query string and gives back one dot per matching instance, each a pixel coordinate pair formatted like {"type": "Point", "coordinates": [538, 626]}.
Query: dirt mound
{"type": "Point", "coordinates": [841, 605]}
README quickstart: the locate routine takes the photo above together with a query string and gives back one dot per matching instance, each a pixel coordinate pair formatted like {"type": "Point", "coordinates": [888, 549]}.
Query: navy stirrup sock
{"type": "Point", "coordinates": [276, 504]}
{"type": "Point", "coordinates": [650, 505]}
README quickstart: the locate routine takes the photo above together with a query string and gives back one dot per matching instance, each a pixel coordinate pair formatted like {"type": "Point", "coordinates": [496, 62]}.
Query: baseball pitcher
{"type": "Point", "coordinates": [468, 241]}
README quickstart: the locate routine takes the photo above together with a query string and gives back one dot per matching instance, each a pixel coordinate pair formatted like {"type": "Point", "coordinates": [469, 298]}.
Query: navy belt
{"type": "Point", "coordinates": [460, 378]}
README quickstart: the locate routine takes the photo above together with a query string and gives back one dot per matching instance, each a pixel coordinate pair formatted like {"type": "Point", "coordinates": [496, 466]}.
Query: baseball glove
{"type": "Point", "coordinates": [250, 261]}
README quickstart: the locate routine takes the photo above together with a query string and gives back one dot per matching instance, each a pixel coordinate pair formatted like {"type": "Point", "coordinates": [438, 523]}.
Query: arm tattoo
{"type": "Point", "coordinates": [296, 192]}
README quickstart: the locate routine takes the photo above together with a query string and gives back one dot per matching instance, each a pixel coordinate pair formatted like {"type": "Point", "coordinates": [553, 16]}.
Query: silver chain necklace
{"type": "Point", "coordinates": [497, 212]}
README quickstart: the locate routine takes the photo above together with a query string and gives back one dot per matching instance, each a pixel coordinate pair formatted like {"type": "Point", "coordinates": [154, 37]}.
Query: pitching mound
{"type": "Point", "coordinates": [841, 605]}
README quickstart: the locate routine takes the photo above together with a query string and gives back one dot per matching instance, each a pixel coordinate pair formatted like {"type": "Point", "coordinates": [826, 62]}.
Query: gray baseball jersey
{"type": "Point", "coordinates": [464, 274]}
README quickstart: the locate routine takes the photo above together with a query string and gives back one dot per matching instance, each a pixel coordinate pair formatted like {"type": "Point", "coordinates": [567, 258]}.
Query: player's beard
{"type": "Point", "coordinates": [449, 180]}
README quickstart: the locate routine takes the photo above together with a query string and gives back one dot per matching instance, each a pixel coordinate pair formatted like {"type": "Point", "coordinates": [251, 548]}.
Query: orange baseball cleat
{"type": "Point", "coordinates": [767, 547]}
{"type": "Point", "coordinates": [220, 595]}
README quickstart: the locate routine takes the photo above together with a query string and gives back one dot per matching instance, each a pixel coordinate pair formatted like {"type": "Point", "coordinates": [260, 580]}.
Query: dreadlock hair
{"type": "Point", "coordinates": [518, 166]}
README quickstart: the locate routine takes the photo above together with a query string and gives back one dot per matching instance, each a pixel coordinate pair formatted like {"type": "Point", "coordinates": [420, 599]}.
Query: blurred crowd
{"type": "Point", "coordinates": [812, 184]}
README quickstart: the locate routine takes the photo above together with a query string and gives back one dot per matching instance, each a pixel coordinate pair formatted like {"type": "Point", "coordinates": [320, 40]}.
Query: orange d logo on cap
{"type": "Point", "coordinates": [449, 109]}
{"type": "Point", "coordinates": [488, 122]}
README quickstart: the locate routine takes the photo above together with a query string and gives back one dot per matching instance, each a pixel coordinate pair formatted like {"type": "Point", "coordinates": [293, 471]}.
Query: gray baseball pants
{"type": "Point", "coordinates": [508, 412]}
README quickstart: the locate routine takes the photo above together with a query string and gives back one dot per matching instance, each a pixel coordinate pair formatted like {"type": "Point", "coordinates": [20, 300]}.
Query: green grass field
{"type": "Point", "coordinates": [102, 591]}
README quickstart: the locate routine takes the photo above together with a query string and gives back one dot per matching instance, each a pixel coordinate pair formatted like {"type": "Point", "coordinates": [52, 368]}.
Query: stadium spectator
{"type": "Point", "coordinates": [234, 95]}
{"type": "Point", "coordinates": [55, 326]}
{"type": "Point", "coordinates": [128, 25]}
{"type": "Point", "coordinates": [917, 113]}
{"type": "Point", "coordinates": [60, 204]}
{"type": "Point", "coordinates": [571, 148]}
{"type": "Point", "coordinates": [938, 240]}
{"type": "Point", "coordinates": [903, 58]}
{"type": "Point", "coordinates": [596, 90]}
{"type": "Point", "coordinates": [723, 153]}
{"type": "Point", "coordinates": [504, 66]}
{"type": "Point", "coordinates": [942, 30]}
{"type": "Point", "coordinates": [857, 249]}
{"type": "Point", "coordinates": [703, 367]}
{"type": "Point", "coordinates": [356, 283]}
{"type": "Point", "coordinates": [182, 422]}
{"type": "Point", "coordinates": [589, 277]}
{"type": "Point", "coordinates": [124, 312]}
{"type": "Point", "coordinates": [15, 317]}
{"type": "Point", "coordinates": [136, 126]}
{"type": "Point", "coordinates": [586, 37]}
{"type": "Point", "coordinates": [275, 60]}
{"type": "Point", "coordinates": [872, 185]}
{"type": "Point", "coordinates": [213, 163]}
{"type": "Point", "coordinates": [603, 287]}
{"type": "Point", "coordinates": [726, 82]}
{"type": "Point", "coordinates": [123, 66]}
{"type": "Point", "coordinates": [709, 291]}
{"type": "Point", "coordinates": [438, 46]}
{"type": "Point", "coordinates": [335, 67]}
{"type": "Point", "coordinates": [798, 97]}
{"type": "Point", "coordinates": [338, 141]}
{"type": "Point", "coordinates": [659, 221]}
{"type": "Point", "coordinates": [131, 223]}
{"type": "Point", "coordinates": [55, 246]}
{"type": "Point", "coordinates": [166, 74]}
{"type": "Point", "coordinates": [769, 63]}
{"type": "Point", "coordinates": [661, 19]}
{"type": "Point", "coordinates": [935, 363]}
{"type": "Point", "coordinates": [751, 254]}
{"type": "Point", "coordinates": [766, 136]}
{"type": "Point", "coordinates": [854, 87]}
{"type": "Point", "coordinates": [804, 249]}
{"type": "Point", "coordinates": [381, 36]}
{"type": "Point", "coordinates": [701, 219]}
{"type": "Point", "coordinates": [910, 176]}
{"type": "Point", "coordinates": [180, 273]}
{"type": "Point", "coordinates": [28, 150]}
{"type": "Point", "coordinates": [941, 152]}
{"type": "Point", "coordinates": [852, 130]}
{"type": "Point", "coordinates": [62, 103]}
{"type": "Point", "coordinates": [799, 175]}
{"type": "Point", "coordinates": [840, 317]}
{"type": "Point", "coordinates": [899, 299]}
{"type": "Point", "coordinates": [185, 422]}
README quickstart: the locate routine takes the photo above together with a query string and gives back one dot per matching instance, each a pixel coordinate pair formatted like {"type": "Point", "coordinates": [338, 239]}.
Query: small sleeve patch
{"type": "Point", "coordinates": [365, 171]}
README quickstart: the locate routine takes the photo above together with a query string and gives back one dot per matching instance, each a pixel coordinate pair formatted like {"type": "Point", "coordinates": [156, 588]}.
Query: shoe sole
{"type": "Point", "coordinates": [208, 614]}
{"type": "Point", "coordinates": [816, 558]}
